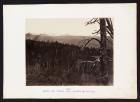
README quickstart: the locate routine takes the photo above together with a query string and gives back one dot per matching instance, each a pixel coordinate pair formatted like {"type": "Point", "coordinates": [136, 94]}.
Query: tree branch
{"type": "Point", "coordinates": [110, 27]}
{"type": "Point", "coordinates": [96, 32]}
{"type": "Point", "coordinates": [108, 31]}
{"type": "Point", "coordinates": [93, 20]}
{"type": "Point", "coordinates": [91, 40]}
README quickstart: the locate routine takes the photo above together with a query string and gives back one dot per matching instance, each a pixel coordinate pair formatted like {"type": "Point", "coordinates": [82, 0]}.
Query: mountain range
{"type": "Point", "coordinates": [68, 39]}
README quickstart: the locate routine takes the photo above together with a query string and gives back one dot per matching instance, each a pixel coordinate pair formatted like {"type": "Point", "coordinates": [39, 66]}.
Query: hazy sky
{"type": "Point", "coordinates": [58, 27]}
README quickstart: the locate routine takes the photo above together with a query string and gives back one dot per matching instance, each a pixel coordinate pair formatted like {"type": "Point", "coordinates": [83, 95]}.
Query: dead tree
{"type": "Point", "coordinates": [106, 27]}
{"type": "Point", "coordinates": [103, 45]}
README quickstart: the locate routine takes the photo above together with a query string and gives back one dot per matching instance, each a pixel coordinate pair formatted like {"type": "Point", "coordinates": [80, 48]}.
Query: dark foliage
{"type": "Point", "coordinates": [54, 63]}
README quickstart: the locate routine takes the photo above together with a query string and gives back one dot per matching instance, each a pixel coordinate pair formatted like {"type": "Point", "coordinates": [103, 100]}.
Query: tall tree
{"type": "Point", "coordinates": [106, 27]}
{"type": "Point", "coordinates": [103, 44]}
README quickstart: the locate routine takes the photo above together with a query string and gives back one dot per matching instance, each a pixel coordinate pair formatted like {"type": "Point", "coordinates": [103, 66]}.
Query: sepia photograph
{"type": "Point", "coordinates": [69, 51]}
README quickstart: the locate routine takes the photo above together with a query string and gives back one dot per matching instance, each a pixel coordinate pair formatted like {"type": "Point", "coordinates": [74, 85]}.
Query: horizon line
{"type": "Point", "coordinates": [54, 34]}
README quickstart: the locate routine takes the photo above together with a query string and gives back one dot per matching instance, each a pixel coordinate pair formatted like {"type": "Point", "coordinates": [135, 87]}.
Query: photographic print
{"type": "Point", "coordinates": [69, 51]}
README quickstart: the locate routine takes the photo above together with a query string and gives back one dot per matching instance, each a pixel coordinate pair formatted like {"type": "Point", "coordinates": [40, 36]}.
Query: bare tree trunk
{"type": "Point", "coordinates": [103, 45]}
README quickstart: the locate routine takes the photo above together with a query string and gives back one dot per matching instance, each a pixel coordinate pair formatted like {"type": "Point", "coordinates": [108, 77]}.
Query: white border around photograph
{"type": "Point", "coordinates": [125, 63]}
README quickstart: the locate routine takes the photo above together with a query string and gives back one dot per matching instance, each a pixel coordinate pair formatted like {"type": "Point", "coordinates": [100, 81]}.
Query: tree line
{"type": "Point", "coordinates": [55, 59]}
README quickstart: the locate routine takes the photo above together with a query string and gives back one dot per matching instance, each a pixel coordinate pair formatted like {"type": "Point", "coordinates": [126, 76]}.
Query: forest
{"type": "Point", "coordinates": [55, 63]}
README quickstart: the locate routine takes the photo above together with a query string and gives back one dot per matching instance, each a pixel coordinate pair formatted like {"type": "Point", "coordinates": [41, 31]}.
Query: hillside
{"type": "Point", "coordinates": [75, 40]}
{"type": "Point", "coordinates": [54, 63]}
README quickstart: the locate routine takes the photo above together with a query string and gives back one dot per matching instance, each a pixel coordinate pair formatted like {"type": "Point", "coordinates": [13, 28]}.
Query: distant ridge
{"type": "Point", "coordinates": [76, 40]}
